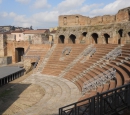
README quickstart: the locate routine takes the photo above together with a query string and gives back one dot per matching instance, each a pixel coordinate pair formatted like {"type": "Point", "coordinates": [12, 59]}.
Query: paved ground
{"type": "Point", "coordinates": [37, 94]}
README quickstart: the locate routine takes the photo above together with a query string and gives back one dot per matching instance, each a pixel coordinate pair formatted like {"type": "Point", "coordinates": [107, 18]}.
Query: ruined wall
{"type": "Point", "coordinates": [123, 15]}
{"type": "Point", "coordinates": [10, 37]}
{"type": "Point", "coordinates": [5, 60]}
{"type": "Point", "coordinates": [11, 48]}
{"type": "Point", "coordinates": [72, 20]}
{"type": "Point", "coordinates": [3, 45]}
{"type": "Point", "coordinates": [108, 19]}
{"type": "Point", "coordinates": [111, 30]}
{"type": "Point", "coordinates": [79, 20]}
{"type": "Point", "coordinates": [37, 39]}
{"type": "Point", "coordinates": [115, 28]}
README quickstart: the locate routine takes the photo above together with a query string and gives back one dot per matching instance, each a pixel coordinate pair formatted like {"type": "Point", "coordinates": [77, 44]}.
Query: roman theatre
{"type": "Point", "coordinates": [86, 59]}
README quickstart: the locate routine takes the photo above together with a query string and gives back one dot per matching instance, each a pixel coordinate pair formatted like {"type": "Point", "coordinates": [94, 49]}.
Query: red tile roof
{"type": "Point", "coordinates": [34, 31]}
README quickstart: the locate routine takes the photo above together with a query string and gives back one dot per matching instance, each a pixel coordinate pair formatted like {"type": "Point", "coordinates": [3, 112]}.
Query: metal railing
{"type": "Point", "coordinates": [114, 53]}
{"type": "Point", "coordinates": [62, 74]}
{"type": "Point", "coordinates": [99, 80]}
{"type": "Point", "coordinates": [101, 63]}
{"type": "Point", "coordinates": [106, 103]}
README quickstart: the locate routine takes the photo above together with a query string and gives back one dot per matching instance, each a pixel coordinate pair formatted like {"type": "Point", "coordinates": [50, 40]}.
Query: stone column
{"type": "Point", "coordinates": [1, 46]}
{"type": "Point", "coordinates": [115, 37]}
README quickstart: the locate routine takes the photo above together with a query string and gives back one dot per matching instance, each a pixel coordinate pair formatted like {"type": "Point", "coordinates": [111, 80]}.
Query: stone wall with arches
{"type": "Point", "coordinates": [116, 33]}
{"type": "Point", "coordinates": [79, 20]}
{"type": "Point", "coordinates": [107, 29]}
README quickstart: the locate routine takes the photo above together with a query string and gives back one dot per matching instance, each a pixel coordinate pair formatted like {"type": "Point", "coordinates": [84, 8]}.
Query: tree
{"type": "Point", "coordinates": [31, 28]}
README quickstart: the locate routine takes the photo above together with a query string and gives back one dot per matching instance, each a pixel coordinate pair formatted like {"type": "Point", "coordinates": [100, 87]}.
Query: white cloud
{"type": "Point", "coordinates": [88, 8]}
{"type": "Point", "coordinates": [50, 18]}
{"type": "Point", "coordinates": [23, 1]}
{"type": "Point", "coordinates": [12, 14]}
{"type": "Point", "coordinates": [41, 4]}
{"type": "Point", "coordinates": [46, 16]}
{"type": "Point", "coordinates": [69, 4]}
{"type": "Point", "coordinates": [4, 14]}
{"type": "Point", "coordinates": [111, 8]}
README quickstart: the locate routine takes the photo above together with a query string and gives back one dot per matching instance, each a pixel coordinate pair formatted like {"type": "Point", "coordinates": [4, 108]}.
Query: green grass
{"type": "Point", "coordinates": [6, 93]}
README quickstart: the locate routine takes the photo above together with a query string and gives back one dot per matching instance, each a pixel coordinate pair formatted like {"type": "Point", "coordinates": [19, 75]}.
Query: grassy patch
{"type": "Point", "coordinates": [6, 93]}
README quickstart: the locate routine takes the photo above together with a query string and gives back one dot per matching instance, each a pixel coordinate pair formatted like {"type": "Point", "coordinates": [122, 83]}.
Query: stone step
{"type": "Point", "coordinates": [58, 92]}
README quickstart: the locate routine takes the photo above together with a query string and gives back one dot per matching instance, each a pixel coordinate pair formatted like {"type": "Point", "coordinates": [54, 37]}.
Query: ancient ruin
{"type": "Point", "coordinates": [84, 57]}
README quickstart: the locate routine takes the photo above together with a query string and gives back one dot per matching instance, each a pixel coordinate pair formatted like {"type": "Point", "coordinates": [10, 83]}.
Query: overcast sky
{"type": "Point", "coordinates": [44, 13]}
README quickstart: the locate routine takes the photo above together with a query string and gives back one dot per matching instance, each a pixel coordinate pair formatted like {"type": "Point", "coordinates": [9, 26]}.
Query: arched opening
{"type": "Point", "coordinates": [95, 37]}
{"type": "Point", "coordinates": [128, 39]}
{"type": "Point", "coordinates": [120, 32]}
{"type": "Point", "coordinates": [106, 36]}
{"type": "Point", "coordinates": [129, 34]}
{"type": "Point", "coordinates": [32, 65]}
{"type": "Point", "coordinates": [61, 39]}
{"type": "Point", "coordinates": [18, 53]}
{"type": "Point", "coordinates": [84, 34]}
{"type": "Point", "coordinates": [72, 39]}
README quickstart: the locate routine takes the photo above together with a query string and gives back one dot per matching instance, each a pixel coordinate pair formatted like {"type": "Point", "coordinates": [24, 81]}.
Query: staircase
{"type": "Point", "coordinates": [75, 61]}
{"type": "Point", "coordinates": [45, 59]}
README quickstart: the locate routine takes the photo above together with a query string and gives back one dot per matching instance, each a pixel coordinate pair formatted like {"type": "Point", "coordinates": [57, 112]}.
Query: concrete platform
{"type": "Point", "coordinates": [8, 70]}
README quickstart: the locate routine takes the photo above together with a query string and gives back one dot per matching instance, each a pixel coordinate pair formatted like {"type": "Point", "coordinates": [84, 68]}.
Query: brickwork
{"type": "Point", "coordinates": [115, 26]}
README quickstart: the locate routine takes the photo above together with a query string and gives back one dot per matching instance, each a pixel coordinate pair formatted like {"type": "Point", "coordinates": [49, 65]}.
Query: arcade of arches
{"type": "Point", "coordinates": [61, 39]}
{"type": "Point", "coordinates": [95, 38]}
{"type": "Point", "coordinates": [106, 37]}
{"type": "Point", "coordinates": [72, 39]}
{"type": "Point", "coordinates": [102, 37]}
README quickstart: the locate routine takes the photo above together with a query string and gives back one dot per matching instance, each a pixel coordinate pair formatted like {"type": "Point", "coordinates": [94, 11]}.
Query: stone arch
{"type": "Point", "coordinates": [84, 34]}
{"type": "Point", "coordinates": [72, 38]}
{"type": "Point", "coordinates": [120, 32]}
{"type": "Point", "coordinates": [106, 36]}
{"type": "Point", "coordinates": [129, 34]}
{"type": "Point", "coordinates": [61, 39]}
{"type": "Point", "coordinates": [18, 53]}
{"type": "Point", "coordinates": [95, 37]}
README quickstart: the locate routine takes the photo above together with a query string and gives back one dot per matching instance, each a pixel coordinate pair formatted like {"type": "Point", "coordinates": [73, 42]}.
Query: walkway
{"type": "Point", "coordinates": [40, 95]}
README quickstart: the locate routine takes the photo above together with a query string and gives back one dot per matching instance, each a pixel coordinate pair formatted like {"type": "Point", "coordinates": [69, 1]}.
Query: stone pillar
{"type": "Point", "coordinates": [66, 40]}
{"type": "Point", "coordinates": [123, 40]}
{"type": "Point", "coordinates": [2, 54]}
{"type": "Point", "coordinates": [115, 37]}
{"type": "Point", "coordinates": [100, 40]}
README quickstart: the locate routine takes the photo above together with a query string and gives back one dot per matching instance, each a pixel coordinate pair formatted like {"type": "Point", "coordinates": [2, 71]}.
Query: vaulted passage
{"type": "Point", "coordinates": [95, 37]}
{"type": "Point", "coordinates": [84, 34]}
{"type": "Point", "coordinates": [18, 53]}
{"type": "Point", "coordinates": [120, 35]}
{"type": "Point", "coordinates": [106, 36]}
{"type": "Point", "coordinates": [129, 34]}
{"type": "Point", "coordinates": [128, 39]}
{"type": "Point", "coordinates": [61, 39]}
{"type": "Point", "coordinates": [72, 39]}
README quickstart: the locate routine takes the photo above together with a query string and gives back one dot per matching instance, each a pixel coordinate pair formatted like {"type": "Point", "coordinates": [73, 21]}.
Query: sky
{"type": "Point", "coordinates": [43, 14]}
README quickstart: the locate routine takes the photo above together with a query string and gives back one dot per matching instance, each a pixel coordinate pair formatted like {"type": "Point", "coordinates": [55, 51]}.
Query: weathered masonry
{"type": "Point", "coordinates": [107, 29]}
